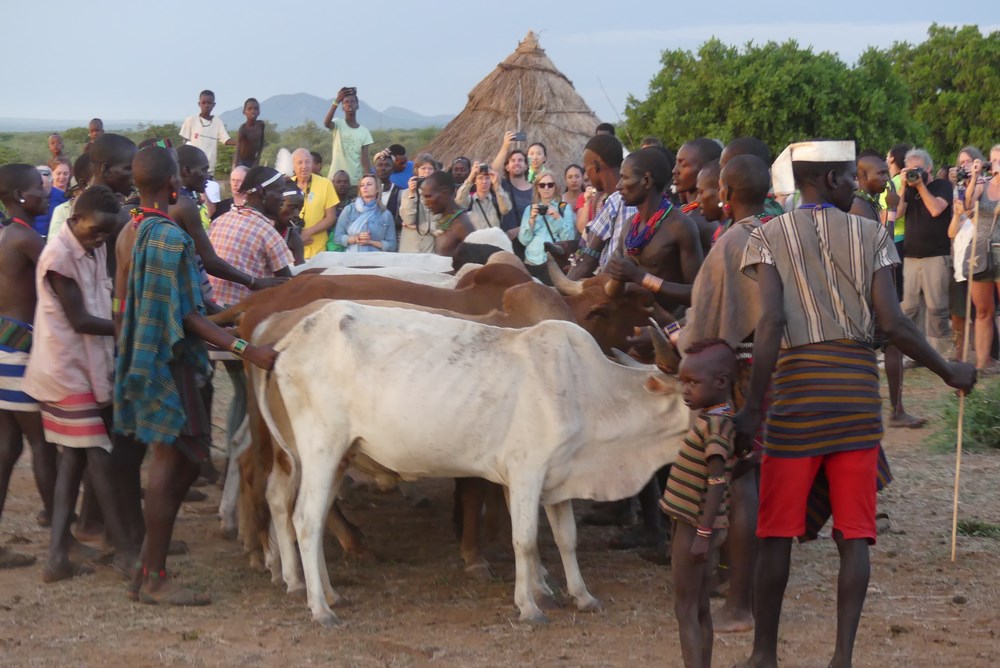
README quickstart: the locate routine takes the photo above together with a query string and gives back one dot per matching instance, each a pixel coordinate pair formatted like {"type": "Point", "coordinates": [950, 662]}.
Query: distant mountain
{"type": "Point", "coordinates": [58, 125]}
{"type": "Point", "coordinates": [288, 111]}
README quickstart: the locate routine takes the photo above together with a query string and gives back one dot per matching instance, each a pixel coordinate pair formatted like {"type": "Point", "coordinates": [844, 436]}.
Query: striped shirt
{"type": "Point", "coordinates": [246, 239]}
{"type": "Point", "coordinates": [711, 435]}
{"type": "Point", "coordinates": [826, 259]}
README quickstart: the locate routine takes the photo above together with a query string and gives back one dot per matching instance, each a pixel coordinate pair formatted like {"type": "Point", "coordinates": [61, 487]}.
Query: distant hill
{"type": "Point", "coordinates": [58, 125]}
{"type": "Point", "coordinates": [288, 111]}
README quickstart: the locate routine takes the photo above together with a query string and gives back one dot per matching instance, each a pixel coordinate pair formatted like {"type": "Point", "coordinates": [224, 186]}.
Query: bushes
{"type": "Point", "coordinates": [982, 419]}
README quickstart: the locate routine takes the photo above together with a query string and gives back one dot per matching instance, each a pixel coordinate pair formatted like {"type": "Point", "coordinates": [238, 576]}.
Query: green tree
{"type": "Point", "coordinates": [954, 81]}
{"type": "Point", "coordinates": [778, 92]}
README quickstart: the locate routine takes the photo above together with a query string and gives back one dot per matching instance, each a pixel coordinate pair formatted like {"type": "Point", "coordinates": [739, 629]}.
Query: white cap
{"type": "Point", "coordinates": [782, 178]}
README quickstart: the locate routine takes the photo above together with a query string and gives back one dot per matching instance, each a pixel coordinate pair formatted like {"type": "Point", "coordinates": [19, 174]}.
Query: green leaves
{"type": "Point", "coordinates": [944, 93]}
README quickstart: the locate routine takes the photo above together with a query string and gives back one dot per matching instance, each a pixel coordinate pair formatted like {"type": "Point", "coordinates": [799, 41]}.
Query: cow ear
{"type": "Point", "coordinates": [657, 385]}
{"type": "Point", "coordinates": [598, 311]}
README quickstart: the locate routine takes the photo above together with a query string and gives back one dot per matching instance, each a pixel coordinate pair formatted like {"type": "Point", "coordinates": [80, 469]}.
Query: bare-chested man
{"type": "Point", "coordinates": [20, 245]}
{"type": "Point", "coordinates": [453, 225]}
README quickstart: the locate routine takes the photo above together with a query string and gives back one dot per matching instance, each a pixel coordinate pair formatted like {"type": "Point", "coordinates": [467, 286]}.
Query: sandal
{"type": "Point", "coordinates": [906, 421]}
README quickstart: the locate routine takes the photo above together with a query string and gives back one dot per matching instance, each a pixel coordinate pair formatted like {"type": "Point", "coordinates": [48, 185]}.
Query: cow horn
{"type": "Point", "coordinates": [667, 359]}
{"type": "Point", "coordinates": [564, 285]}
{"type": "Point", "coordinates": [613, 288]}
{"type": "Point", "coordinates": [626, 360]}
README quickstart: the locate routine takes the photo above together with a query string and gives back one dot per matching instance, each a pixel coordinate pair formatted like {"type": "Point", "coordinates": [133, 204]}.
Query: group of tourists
{"type": "Point", "coordinates": [778, 283]}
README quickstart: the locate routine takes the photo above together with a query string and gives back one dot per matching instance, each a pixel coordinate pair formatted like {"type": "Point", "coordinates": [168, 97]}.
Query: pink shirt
{"type": "Point", "coordinates": [64, 363]}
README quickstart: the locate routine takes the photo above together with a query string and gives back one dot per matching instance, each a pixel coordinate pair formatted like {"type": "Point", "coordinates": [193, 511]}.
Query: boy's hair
{"type": "Point", "coordinates": [14, 177]}
{"type": "Point", "coordinates": [441, 179]}
{"type": "Point", "coordinates": [725, 361]}
{"type": "Point", "coordinates": [204, 93]}
{"type": "Point", "coordinates": [607, 148]}
{"type": "Point", "coordinates": [82, 169]}
{"type": "Point", "coordinates": [397, 149]}
{"type": "Point", "coordinates": [152, 168]}
{"type": "Point", "coordinates": [249, 100]}
{"type": "Point", "coordinates": [190, 156]}
{"type": "Point", "coordinates": [317, 158]}
{"type": "Point", "coordinates": [110, 148]}
{"type": "Point", "coordinates": [96, 199]}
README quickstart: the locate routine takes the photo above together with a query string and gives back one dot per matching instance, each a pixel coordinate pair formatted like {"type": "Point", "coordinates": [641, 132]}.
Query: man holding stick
{"type": "Point", "coordinates": [822, 273]}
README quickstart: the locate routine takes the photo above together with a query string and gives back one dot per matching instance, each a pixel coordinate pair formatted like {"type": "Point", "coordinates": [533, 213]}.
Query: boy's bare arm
{"type": "Point", "coordinates": [716, 466]}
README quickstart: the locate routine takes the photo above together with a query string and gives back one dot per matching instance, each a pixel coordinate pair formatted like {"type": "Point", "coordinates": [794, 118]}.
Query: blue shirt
{"type": "Point", "coordinates": [56, 197]}
{"type": "Point", "coordinates": [402, 179]}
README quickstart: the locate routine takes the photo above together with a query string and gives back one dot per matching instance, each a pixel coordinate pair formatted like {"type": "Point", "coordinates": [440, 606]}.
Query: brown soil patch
{"type": "Point", "coordinates": [413, 606]}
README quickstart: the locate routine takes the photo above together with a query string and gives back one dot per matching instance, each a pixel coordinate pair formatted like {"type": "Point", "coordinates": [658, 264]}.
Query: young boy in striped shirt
{"type": "Point", "coordinates": [696, 493]}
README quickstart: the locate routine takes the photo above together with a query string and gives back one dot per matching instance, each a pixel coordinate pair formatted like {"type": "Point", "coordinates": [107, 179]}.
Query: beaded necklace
{"type": "Point", "coordinates": [816, 207]}
{"type": "Point", "coordinates": [639, 235]}
{"type": "Point", "coordinates": [17, 220]}
{"type": "Point", "coordinates": [140, 213]}
{"type": "Point", "coordinates": [443, 225]}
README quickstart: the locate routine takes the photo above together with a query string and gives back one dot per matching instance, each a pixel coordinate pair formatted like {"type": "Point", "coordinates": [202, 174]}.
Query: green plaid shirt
{"type": "Point", "coordinates": [163, 289]}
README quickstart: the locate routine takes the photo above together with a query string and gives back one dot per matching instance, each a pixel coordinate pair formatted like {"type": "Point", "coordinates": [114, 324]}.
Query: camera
{"type": "Point", "coordinates": [543, 209]}
{"type": "Point", "coordinates": [420, 182]}
{"type": "Point", "coordinates": [520, 136]}
{"type": "Point", "coordinates": [484, 169]}
{"type": "Point", "coordinates": [351, 90]}
{"type": "Point", "coordinates": [962, 176]}
{"type": "Point", "coordinates": [914, 175]}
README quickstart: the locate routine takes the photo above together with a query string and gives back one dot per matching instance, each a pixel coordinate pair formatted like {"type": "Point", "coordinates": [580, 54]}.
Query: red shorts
{"type": "Point", "coordinates": [784, 488]}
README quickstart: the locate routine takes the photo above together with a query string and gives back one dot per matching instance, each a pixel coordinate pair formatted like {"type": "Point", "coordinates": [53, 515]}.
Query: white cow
{"type": "Point", "coordinates": [544, 414]}
{"type": "Point", "coordinates": [425, 261]}
{"type": "Point", "coordinates": [410, 274]}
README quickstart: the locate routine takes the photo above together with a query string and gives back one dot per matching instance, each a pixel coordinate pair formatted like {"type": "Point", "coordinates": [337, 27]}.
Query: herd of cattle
{"type": "Point", "coordinates": [487, 376]}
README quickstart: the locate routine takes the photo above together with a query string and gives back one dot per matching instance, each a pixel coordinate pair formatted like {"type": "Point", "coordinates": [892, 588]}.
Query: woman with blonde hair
{"type": "Point", "coordinates": [549, 220]}
{"type": "Point", "coordinates": [365, 225]}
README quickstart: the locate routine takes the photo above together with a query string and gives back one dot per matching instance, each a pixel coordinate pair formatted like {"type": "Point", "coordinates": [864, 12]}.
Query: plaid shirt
{"type": "Point", "coordinates": [163, 289]}
{"type": "Point", "coordinates": [610, 222]}
{"type": "Point", "coordinates": [246, 239]}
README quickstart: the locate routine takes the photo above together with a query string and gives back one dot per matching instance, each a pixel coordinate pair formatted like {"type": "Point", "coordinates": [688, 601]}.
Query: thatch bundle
{"type": "Point", "coordinates": [525, 92]}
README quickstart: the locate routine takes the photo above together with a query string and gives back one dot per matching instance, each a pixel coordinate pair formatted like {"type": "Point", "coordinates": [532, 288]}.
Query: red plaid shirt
{"type": "Point", "coordinates": [246, 239]}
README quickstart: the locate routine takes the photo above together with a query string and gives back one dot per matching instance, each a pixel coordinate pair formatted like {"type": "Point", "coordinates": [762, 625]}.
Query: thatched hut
{"type": "Point", "coordinates": [525, 92]}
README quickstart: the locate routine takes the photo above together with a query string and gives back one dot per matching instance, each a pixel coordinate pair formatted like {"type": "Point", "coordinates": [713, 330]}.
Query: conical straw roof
{"type": "Point", "coordinates": [525, 92]}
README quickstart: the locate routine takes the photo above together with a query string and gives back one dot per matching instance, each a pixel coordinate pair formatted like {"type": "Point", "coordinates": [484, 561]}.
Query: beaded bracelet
{"type": "Point", "coordinates": [672, 327]}
{"type": "Point", "coordinates": [238, 347]}
{"type": "Point", "coordinates": [117, 305]}
{"type": "Point", "coordinates": [652, 283]}
{"type": "Point", "coordinates": [703, 532]}
{"type": "Point", "coordinates": [586, 250]}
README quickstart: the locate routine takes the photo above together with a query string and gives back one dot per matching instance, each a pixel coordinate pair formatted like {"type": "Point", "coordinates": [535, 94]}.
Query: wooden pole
{"type": "Point", "coordinates": [970, 271]}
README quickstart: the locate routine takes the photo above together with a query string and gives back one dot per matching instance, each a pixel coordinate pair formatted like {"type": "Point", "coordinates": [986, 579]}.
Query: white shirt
{"type": "Point", "coordinates": [206, 135]}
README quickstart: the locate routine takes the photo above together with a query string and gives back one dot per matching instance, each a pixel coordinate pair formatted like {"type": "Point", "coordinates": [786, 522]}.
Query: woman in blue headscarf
{"type": "Point", "coordinates": [366, 225]}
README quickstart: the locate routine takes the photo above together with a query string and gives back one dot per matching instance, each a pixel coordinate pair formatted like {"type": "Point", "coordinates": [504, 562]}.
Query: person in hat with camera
{"type": "Point", "coordinates": [927, 205]}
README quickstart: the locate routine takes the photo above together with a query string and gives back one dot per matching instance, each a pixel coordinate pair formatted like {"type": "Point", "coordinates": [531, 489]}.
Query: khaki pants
{"type": "Point", "coordinates": [925, 283]}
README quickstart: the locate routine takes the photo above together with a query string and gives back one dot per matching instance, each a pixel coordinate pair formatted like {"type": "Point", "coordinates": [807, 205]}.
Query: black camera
{"type": "Point", "coordinates": [543, 209]}
{"type": "Point", "coordinates": [484, 169]}
{"type": "Point", "coordinates": [962, 176]}
{"type": "Point", "coordinates": [915, 174]}
{"type": "Point", "coordinates": [420, 182]}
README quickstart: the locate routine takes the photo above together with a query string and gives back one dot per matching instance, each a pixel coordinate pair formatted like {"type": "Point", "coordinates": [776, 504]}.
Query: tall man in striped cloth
{"type": "Point", "coordinates": [823, 277]}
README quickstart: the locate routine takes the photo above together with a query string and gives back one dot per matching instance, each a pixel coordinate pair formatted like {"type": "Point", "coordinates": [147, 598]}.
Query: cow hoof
{"type": "Point", "coordinates": [536, 617]}
{"type": "Point", "coordinates": [480, 572]}
{"type": "Point", "coordinates": [329, 620]}
{"type": "Point", "coordinates": [589, 604]}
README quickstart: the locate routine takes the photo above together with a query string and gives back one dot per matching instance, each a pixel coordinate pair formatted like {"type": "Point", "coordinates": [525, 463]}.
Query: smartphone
{"type": "Point", "coordinates": [352, 90]}
{"type": "Point", "coordinates": [520, 136]}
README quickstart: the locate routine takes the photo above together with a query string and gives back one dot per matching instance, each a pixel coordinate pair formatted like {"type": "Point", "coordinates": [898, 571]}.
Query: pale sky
{"type": "Point", "coordinates": [130, 60]}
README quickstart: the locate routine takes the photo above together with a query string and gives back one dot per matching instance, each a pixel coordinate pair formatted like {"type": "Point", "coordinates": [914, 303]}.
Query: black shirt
{"type": "Point", "coordinates": [926, 235]}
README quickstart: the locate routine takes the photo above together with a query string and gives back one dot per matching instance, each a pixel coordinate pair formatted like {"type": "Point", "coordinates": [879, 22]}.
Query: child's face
{"type": "Point", "coordinates": [206, 103]}
{"type": "Point", "coordinates": [251, 111]}
{"type": "Point", "coordinates": [93, 229]}
{"type": "Point", "coordinates": [701, 385]}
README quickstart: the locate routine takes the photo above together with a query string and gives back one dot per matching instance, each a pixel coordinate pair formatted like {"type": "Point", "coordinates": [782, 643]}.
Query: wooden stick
{"type": "Point", "coordinates": [961, 398]}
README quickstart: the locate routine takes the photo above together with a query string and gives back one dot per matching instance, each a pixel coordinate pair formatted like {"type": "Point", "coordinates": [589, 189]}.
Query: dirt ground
{"type": "Point", "coordinates": [412, 605]}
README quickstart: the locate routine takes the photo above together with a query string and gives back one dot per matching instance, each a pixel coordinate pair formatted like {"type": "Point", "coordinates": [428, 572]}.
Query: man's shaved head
{"type": "Point", "coordinates": [746, 146]}
{"type": "Point", "coordinates": [748, 178]}
{"type": "Point", "coordinates": [152, 169]}
{"type": "Point", "coordinates": [607, 148]}
{"type": "Point", "coordinates": [14, 177]}
{"type": "Point", "coordinates": [190, 156]}
{"type": "Point", "coordinates": [652, 161]}
{"type": "Point", "coordinates": [705, 149]}
{"type": "Point", "coordinates": [111, 149]}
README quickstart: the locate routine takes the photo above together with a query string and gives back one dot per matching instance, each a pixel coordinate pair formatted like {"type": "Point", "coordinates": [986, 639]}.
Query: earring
{"type": "Point", "coordinates": [174, 194]}
{"type": "Point", "coordinates": [21, 200]}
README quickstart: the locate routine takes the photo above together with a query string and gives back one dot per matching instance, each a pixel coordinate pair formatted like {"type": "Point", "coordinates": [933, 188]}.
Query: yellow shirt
{"type": "Point", "coordinates": [319, 197]}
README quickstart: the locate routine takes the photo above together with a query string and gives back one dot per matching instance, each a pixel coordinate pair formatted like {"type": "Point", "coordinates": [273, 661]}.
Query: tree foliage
{"type": "Point", "coordinates": [954, 81]}
{"type": "Point", "coordinates": [783, 93]}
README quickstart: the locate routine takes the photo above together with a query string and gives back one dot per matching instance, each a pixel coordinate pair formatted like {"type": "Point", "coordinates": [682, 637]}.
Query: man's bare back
{"type": "Point", "coordinates": [19, 251]}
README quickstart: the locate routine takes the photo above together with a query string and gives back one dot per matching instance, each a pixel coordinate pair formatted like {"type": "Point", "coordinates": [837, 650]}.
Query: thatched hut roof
{"type": "Point", "coordinates": [524, 92]}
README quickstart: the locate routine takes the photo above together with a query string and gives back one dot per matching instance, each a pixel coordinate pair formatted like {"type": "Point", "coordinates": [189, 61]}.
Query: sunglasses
{"type": "Point", "coordinates": [546, 185]}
